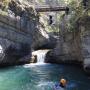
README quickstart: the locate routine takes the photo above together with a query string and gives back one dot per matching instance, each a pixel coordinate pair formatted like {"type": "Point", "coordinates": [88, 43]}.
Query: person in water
{"type": "Point", "coordinates": [61, 85]}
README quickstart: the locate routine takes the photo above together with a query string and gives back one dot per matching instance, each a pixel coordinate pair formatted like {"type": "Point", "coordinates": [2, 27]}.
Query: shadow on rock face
{"type": "Point", "coordinates": [12, 55]}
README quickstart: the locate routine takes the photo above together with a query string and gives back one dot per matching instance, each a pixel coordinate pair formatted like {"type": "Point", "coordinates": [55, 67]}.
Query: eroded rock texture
{"type": "Point", "coordinates": [20, 32]}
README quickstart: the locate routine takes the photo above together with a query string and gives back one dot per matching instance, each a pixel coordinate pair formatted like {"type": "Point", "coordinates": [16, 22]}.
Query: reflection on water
{"type": "Point", "coordinates": [42, 77]}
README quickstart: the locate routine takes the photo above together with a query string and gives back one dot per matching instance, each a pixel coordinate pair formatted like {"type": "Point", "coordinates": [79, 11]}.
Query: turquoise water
{"type": "Point", "coordinates": [42, 77]}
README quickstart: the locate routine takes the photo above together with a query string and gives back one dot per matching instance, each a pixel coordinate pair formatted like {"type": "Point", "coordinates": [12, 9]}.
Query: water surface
{"type": "Point", "coordinates": [42, 77]}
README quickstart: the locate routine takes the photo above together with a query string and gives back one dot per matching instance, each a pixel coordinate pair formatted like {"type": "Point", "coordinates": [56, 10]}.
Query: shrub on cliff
{"type": "Point", "coordinates": [4, 4]}
{"type": "Point", "coordinates": [76, 12]}
{"type": "Point", "coordinates": [19, 9]}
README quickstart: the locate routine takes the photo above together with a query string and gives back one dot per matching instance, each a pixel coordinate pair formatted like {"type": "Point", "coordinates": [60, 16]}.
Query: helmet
{"type": "Point", "coordinates": [63, 82]}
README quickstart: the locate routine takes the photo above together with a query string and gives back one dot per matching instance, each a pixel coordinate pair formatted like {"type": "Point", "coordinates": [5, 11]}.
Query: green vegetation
{"type": "Point", "coordinates": [4, 7]}
{"type": "Point", "coordinates": [5, 4]}
{"type": "Point", "coordinates": [76, 12]}
{"type": "Point", "coordinates": [3, 13]}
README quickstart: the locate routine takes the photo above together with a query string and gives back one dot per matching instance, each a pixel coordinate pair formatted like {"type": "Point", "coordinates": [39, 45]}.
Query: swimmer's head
{"type": "Point", "coordinates": [63, 82]}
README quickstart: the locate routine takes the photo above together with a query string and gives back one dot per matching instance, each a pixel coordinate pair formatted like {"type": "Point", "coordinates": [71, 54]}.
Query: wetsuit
{"type": "Point", "coordinates": [58, 87]}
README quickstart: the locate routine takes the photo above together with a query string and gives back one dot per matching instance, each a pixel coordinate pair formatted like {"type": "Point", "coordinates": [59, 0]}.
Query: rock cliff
{"type": "Point", "coordinates": [68, 48]}
{"type": "Point", "coordinates": [85, 34]}
{"type": "Point", "coordinates": [20, 32]}
{"type": "Point", "coordinates": [73, 47]}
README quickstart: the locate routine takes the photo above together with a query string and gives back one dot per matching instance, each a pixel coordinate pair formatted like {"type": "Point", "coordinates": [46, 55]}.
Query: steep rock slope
{"type": "Point", "coordinates": [20, 31]}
